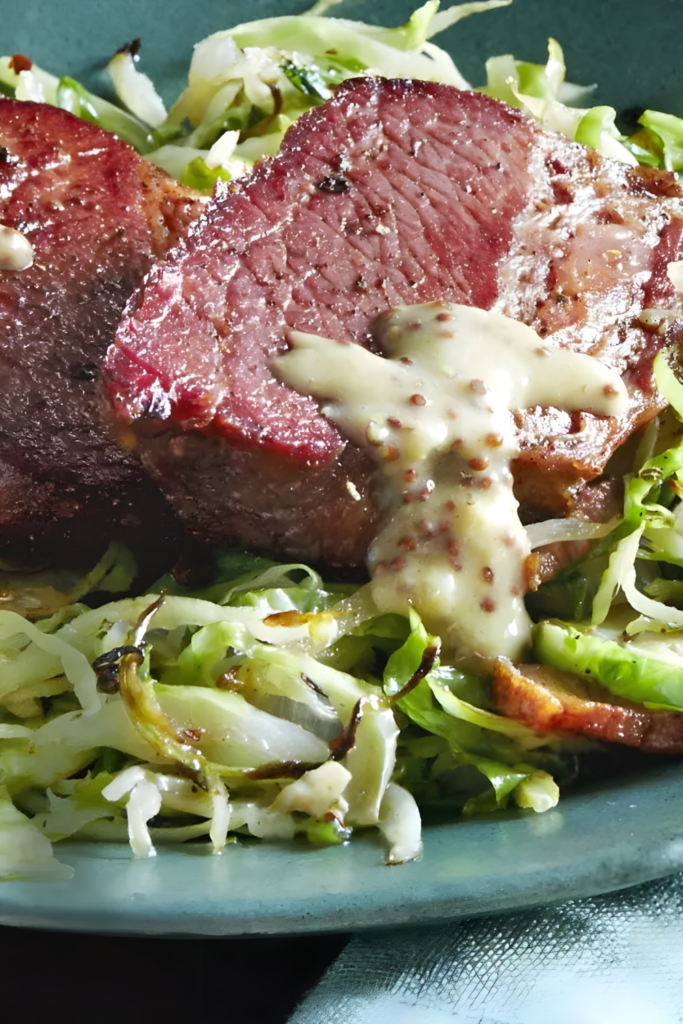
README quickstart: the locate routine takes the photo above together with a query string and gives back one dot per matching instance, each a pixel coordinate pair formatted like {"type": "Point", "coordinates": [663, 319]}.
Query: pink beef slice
{"type": "Point", "coordinates": [391, 193]}
{"type": "Point", "coordinates": [96, 216]}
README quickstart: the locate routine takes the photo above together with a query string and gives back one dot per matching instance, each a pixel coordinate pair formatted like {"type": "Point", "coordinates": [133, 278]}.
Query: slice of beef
{"type": "Point", "coordinates": [547, 699]}
{"type": "Point", "coordinates": [95, 215]}
{"type": "Point", "coordinates": [390, 194]}
{"type": "Point", "coordinates": [590, 253]}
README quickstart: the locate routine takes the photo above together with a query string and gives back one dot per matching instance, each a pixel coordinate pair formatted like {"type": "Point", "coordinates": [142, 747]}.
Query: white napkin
{"type": "Point", "coordinates": [614, 959]}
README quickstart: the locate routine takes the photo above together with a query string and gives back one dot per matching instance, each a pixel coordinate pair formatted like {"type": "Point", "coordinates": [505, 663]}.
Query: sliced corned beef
{"type": "Point", "coordinates": [94, 214]}
{"type": "Point", "coordinates": [392, 193]}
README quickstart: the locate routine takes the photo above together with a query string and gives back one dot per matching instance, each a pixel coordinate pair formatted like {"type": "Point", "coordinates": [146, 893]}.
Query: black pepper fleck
{"type": "Point", "coordinates": [85, 371]}
{"type": "Point", "coordinates": [334, 185]}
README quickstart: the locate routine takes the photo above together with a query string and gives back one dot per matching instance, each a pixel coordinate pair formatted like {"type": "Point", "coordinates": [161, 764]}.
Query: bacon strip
{"type": "Point", "coordinates": [546, 699]}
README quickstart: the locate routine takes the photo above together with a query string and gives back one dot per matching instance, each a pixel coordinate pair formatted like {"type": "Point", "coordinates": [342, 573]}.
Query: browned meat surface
{"type": "Point", "coordinates": [590, 254]}
{"type": "Point", "coordinates": [392, 193]}
{"type": "Point", "coordinates": [95, 214]}
{"type": "Point", "coordinates": [548, 699]}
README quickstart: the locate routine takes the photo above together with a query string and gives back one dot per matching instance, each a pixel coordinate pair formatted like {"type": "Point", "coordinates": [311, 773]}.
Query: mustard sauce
{"type": "Point", "coordinates": [435, 415]}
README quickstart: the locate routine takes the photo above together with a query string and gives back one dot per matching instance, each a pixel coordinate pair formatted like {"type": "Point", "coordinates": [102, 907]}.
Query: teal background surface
{"type": "Point", "coordinates": [632, 50]}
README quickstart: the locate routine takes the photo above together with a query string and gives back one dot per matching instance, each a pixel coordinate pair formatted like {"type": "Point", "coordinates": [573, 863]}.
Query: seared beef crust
{"type": "Point", "coordinates": [95, 214]}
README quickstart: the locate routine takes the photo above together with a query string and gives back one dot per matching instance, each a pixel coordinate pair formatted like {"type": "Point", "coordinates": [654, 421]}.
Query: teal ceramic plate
{"type": "Point", "coordinates": [606, 836]}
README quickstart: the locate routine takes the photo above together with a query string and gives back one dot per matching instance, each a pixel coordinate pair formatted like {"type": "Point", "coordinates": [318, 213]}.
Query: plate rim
{"type": "Point", "coordinates": [642, 841]}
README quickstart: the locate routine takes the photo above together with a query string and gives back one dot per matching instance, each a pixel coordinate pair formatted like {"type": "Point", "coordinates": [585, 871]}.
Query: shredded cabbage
{"type": "Point", "coordinates": [255, 711]}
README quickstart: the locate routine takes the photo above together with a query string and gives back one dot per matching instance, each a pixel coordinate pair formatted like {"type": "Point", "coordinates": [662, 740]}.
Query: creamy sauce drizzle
{"type": "Point", "coordinates": [674, 271]}
{"type": "Point", "coordinates": [16, 252]}
{"type": "Point", "coordinates": [435, 415]}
